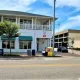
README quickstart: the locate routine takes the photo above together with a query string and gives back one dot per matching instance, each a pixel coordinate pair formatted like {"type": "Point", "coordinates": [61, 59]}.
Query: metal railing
{"type": "Point", "coordinates": [35, 27]}
{"type": "Point", "coordinates": [26, 26]}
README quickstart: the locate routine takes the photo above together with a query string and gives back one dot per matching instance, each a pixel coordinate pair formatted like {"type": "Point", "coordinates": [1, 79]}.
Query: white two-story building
{"type": "Point", "coordinates": [35, 31]}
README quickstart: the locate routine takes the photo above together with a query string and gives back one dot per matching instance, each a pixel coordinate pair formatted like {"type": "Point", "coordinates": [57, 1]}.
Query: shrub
{"type": "Point", "coordinates": [76, 49]}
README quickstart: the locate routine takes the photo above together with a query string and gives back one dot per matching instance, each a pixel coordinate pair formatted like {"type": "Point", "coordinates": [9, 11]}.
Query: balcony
{"type": "Point", "coordinates": [26, 26]}
{"type": "Point", "coordinates": [35, 27]}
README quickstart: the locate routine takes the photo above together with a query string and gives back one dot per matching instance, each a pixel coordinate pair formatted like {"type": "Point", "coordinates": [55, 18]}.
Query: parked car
{"type": "Point", "coordinates": [70, 47]}
{"type": "Point", "coordinates": [62, 49]}
{"type": "Point", "coordinates": [59, 49]}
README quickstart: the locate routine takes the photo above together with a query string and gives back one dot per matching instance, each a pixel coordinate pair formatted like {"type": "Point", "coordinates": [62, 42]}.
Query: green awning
{"type": "Point", "coordinates": [6, 38]}
{"type": "Point", "coordinates": [25, 38]}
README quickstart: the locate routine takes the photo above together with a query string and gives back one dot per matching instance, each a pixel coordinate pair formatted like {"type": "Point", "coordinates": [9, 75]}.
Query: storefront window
{"type": "Point", "coordinates": [25, 44]}
{"type": "Point", "coordinates": [10, 19]}
{"type": "Point", "coordinates": [6, 44]}
{"type": "Point", "coordinates": [29, 45]}
{"type": "Point", "coordinates": [21, 44]}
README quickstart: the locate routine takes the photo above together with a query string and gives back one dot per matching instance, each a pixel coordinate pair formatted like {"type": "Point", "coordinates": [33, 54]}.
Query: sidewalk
{"type": "Point", "coordinates": [74, 52]}
{"type": "Point", "coordinates": [68, 54]}
{"type": "Point", "coordinates": [28, 57]}
{"type": "Point", "coordinates": [39, 56]}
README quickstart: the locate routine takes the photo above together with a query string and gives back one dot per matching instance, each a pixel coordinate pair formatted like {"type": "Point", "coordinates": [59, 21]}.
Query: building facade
{"type": "Point", "coordinates": [35, 31]}
{"type": "Point", "coordinates": [68, 38]}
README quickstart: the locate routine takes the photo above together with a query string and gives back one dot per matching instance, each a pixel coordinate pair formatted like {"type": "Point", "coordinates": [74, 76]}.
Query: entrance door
{"type": "Point", "coordinates": [42, 44]}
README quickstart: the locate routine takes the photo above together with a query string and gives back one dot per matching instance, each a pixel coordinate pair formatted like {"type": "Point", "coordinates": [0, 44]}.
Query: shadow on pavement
{"type": "Point", "coordinates": [48, 56]}
{"type": "Point", "coordinates": [25, 57]}
{"type": "Point", "coordinates": [68, 54]}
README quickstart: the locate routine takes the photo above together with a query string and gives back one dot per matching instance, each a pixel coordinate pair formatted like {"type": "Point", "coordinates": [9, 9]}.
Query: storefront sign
{"type": "Point", "coordinates": [44, 33]}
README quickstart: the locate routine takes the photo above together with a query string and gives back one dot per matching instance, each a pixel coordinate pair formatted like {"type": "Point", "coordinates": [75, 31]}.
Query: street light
{"type": "Point", "coordinates": [54, 26]}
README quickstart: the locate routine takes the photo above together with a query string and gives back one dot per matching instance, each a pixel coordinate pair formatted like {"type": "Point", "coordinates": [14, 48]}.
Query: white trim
{"type": "Point", "coordinates": [32, 23]}
{"type": "Point", "coordinates": [34, 34]}
{"type": "Point", "coordinates": [49, 24]}
{"type": "Point", "coordinates": [2, 18]}
{"type": "Point", "coordinates": [35, 23]}
{"type": "Point", "coordinates": [16, 20]}
{"type": "Point", "coordinates": [50, 42]}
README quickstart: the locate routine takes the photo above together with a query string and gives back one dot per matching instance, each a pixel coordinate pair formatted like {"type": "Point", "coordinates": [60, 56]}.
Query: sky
{"type": "Point", "coordinates": [67, 11]}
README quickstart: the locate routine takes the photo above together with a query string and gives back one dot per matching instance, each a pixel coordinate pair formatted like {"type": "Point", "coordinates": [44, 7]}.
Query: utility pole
{"type": "Point", "coordinates": [54, 26]}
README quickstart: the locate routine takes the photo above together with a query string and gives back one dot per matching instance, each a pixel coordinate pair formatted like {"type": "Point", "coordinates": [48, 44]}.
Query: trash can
{"type": "Point", "coordinates": [49, 51]}
{"type": "Point", "coordinates": [33, 52]}
{"type": "Point", "coordinates": [29, 52]}
{"type": "Point", "coordinates": [50, 54]}
{"type": "Point", "coordinates": [1, 52]}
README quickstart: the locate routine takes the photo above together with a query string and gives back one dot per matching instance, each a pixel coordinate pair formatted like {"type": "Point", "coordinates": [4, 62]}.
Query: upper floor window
{"type": "Point", "coordinates": [24, 21]}
{"type": "Point", "coordinates": [10, 19]}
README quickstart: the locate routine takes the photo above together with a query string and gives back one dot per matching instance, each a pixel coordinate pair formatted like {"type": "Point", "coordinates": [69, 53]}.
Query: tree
{"type": "Point", "coordinates": [2, 28]}
{"type": "Point", "coordinates": [9, 29]}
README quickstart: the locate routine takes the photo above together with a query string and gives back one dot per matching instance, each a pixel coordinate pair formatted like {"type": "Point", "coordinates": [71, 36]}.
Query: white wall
{"type": "Point", "coordinates": [37, 33]}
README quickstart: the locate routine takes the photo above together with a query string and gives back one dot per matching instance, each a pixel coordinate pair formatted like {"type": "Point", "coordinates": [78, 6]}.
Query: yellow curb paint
{"type": "Point", "coordinates": [38, 65]}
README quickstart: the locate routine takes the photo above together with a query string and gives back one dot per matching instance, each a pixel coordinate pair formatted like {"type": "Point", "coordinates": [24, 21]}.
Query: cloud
{"type": "Point", "coordinates": [62, 3]}
{"type": "Point", "coordinates": [72, 22]}
{"type": "Point", "coordinates": [64, 13]}
{"type": "Point", "coordinates": [70, 3]}
{"type": "Point", "coordinates": [43, 11]}
{"type": "Point", "coordinates": [49, 2]}
{"type": "Point", "coordinates": [19, 5]}
{"type": "Point", "coordinates": [26, 2]}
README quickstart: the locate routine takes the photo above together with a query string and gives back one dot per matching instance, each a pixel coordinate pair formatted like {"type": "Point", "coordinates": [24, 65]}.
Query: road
{"type": "Point", "coordinates": [58, 68]}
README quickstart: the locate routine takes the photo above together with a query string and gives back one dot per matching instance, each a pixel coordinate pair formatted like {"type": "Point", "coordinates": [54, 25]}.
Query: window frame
{"type": "Point", "coordinates": [7, 43]}
{"type": "Point", "coordinates": [23, 45]}
{"type": "Point", "coordinates": [25, 21]}
{"type": "Point", "coordinates": [10, 19]}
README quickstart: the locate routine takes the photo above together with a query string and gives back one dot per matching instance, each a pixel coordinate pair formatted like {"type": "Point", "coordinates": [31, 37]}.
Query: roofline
{"type": "Point", "coordinates": [34, 15]}
{"type": "Point", "coordinates": [23, 16]}
{"type": "Point", "coordinates": [74, 31]}
{"type": "Point", "coordinates": [68, 31]}
{"type": "Point", "coordinates": [61, 32]}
